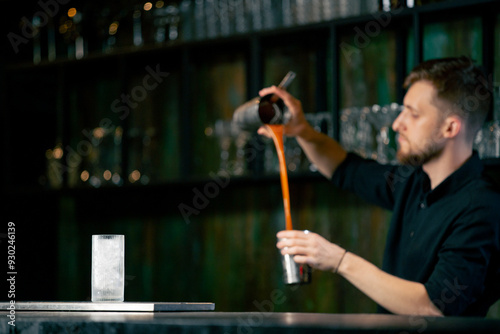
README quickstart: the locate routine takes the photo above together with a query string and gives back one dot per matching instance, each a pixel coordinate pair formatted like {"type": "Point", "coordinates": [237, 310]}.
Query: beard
{"type": "Point", "coordinates": [417, 157]}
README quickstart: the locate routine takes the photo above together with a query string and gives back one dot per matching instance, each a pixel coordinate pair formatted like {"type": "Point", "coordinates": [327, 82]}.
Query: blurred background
{"type": "Point", "coordinates": [116, 118]}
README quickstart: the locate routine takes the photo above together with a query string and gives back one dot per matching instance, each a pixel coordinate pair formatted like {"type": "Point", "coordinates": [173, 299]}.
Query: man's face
{"type": "Point", "coordinates": [418, 125]}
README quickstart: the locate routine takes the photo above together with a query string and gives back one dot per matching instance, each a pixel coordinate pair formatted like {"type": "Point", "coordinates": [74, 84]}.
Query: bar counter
{"type": "Point", "coordinates": [234, 322]}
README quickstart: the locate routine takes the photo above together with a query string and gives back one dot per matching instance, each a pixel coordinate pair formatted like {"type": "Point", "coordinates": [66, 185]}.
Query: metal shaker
{"type": "Point", "coordinates": [268, 109]}
{"type": "Point", "coordinates": [293, 272]}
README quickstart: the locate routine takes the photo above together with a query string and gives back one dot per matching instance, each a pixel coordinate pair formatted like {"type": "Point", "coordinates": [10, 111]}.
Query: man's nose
{"type": "Point", "coordinates": [397, 125]}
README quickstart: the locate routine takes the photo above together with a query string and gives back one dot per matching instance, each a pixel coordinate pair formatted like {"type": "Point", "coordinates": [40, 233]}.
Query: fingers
{"type": "Point", "coordinates": [263, 131]}
{"type": "Point", "coordinates": [295, 250]}
{"type": "Point", "coordinates": [294, 242]}
{"type": "Point", "coordinates": [292, 245]}
{"type": "Point", "coordinates": [302, 259]}
{"type": "Point", "coordinates": [297, 124]}
{"type": "Point", "coordinates": [281, 93]}
{"type": "Point", "coordinates": [293, 234]}
{"type": "Point", "coordinates": [272, 90]}
{"type": "Point", "coordinates": [291, 238]}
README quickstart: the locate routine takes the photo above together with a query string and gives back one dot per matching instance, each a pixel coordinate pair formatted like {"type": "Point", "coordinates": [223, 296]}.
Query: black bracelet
{"type": "Point", "coordinates": [337, 269]}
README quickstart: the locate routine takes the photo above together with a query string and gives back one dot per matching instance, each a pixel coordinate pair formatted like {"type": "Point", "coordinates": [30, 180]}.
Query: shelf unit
{"type": "Point", "coordinates": [324, 40]}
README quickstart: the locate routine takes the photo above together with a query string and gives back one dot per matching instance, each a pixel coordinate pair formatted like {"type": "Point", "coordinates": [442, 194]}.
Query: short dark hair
{"type": "Point", "coordinates": [459, 82]}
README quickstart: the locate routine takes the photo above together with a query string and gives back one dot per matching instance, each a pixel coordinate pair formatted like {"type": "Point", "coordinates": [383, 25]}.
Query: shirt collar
{"type": "Point", "coordinates": [469, 171]}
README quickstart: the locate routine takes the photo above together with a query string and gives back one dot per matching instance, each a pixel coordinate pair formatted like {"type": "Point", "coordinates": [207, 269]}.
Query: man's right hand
{"type": "Point", "coordinates": [297, 125]}
{"type": "Point", "coordinates": [320, 149]}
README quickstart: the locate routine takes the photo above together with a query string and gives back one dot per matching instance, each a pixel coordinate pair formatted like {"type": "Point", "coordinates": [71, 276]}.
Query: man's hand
{"type": "Point", "coordinates": [320, 149]}
{"type": "Point", "coordinates": [297, 123]}
{"type": "Point", "coordinates": [311, 249]}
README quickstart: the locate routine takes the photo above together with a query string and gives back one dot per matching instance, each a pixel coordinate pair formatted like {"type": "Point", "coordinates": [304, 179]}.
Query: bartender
{"type": "Point", "coordinates": [442, 255]}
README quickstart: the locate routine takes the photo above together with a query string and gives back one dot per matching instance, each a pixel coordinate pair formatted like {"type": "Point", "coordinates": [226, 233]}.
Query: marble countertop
{"type": "Point", "coordinates": [34, 322]}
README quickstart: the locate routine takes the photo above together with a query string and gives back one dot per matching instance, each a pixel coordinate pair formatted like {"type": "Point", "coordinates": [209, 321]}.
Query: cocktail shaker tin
{"type": "Point", "coordinates": [268, 109]}
{"type": "Point", "coordinates": [293, 272]}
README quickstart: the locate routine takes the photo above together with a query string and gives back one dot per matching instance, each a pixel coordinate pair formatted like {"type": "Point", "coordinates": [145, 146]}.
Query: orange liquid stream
{"type": "Point", "coordinates": [277, 135]}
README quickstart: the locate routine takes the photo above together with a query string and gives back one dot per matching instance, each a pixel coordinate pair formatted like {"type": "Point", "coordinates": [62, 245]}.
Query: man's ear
{"type": "Point", "coordinates": [452, 126]}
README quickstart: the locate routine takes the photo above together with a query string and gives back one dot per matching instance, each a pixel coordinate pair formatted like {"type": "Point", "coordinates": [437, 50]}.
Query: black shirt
{"type": "Point", "coordinates": [447, 238]}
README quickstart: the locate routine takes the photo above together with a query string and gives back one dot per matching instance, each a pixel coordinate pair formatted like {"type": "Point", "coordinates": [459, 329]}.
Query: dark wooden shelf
{"type": "Point", "coordinates": [233, 181]}
{"type": "Point", "coordinates": [431, 12]}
